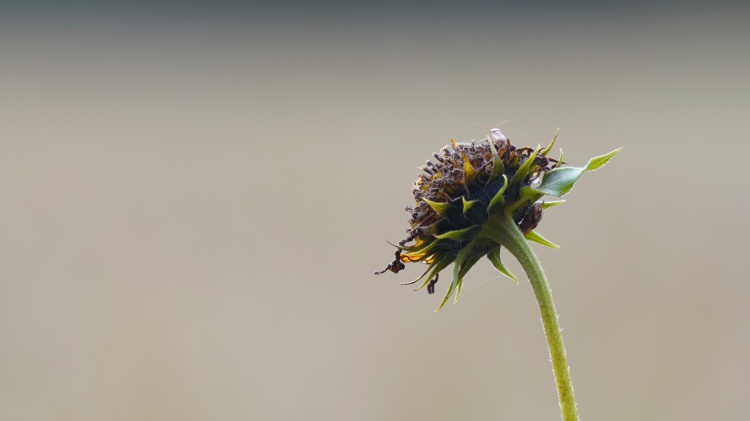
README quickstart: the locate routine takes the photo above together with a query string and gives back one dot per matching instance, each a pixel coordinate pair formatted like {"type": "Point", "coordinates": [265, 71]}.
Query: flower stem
{"type": "Point", "coordinates": [504, 231]}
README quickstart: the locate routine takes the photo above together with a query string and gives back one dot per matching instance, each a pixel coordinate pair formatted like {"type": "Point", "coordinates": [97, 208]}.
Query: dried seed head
{"type": "Point", "coordinates": [469, 184]}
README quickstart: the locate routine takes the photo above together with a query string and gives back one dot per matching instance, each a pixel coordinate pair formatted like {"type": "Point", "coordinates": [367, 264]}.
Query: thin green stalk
{"type": "Point", "coordinates": [503, 230]}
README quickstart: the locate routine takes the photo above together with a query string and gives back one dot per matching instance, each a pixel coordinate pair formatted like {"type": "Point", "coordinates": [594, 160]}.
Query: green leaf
{"type": "Point", "coordinates": [537, 238]}
{"type": "Point", "coordinates": [494, 257]}
{"type": "Point", "coordinates": [599, 161]}
{"type": "Point", "coordinates": [559, 181]}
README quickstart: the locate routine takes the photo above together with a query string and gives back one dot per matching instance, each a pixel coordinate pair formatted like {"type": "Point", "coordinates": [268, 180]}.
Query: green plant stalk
{"type": "Point", "coordinates": [504, 231]}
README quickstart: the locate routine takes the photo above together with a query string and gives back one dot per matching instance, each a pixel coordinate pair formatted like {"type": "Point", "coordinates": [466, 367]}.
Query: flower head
{"type": "Point", "coordinates": [470, 186]}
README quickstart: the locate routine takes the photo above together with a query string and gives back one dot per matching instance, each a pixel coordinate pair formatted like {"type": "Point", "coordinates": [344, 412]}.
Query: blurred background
{"type": "Point", "coordinates": [193, 201]}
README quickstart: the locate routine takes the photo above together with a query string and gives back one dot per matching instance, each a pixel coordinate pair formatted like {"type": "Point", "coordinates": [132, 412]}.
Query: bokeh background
{"type": "Point", "coordinates": [193, 200]}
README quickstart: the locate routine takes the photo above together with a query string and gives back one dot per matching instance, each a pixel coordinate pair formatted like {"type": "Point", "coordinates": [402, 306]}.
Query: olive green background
{"type": "Point", "coordinates": [192, 207]}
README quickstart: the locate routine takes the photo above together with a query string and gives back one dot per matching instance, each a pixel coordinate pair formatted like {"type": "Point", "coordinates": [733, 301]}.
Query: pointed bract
{"type": "Point", "coordinates": [551, 203]}
{"type": "Point", "coordinates": [497, 162]}
{"type": "Point", "coordinates": [468, 204]}
{"type": "Point", "coordinates": [494, 257]}
{"type": "Point", "coordinates": [440, 208]}
{"type": "Point", "coordinates": [549, 148]}
{"type": "Point", "coordinates": [523, 172]}
{"type": "Point", "coordinates": [537, 238]}
{"type": "Point", "coordinates": [498, 201]}
{"type": "Point", "coordinates": [459, 235]}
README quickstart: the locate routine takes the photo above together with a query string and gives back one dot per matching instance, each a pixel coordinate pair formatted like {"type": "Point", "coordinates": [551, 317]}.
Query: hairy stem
{"type": "Point", "coordinates": [504, 231]}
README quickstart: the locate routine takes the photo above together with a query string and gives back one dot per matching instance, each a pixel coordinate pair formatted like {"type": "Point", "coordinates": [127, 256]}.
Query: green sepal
{"type": "Point", "coordinates": [462, 264]}
{"type": "Point", "coordinates": [560, 160]}
{"type": "Point", "coordinates": [523, 172]}
{"type": "Point", "coordinates": [527, 195]}
{"type": "Point", "coordinates": [468, 204]}
{"type": "Point", "coordinates": [458, 290]}
{"type": "Point", "coordinates": [440, 208]}
{"type": "Point", "coordinates": [552, 203]}
{"type": "Point", "coordinates": [436, 266]}
{"type": "Point", "coordinates": [537, 238]}
{"type": "Point", "coordinates": [559, 181]}
{"type": "Point", "coordinates": [467, 264]}
{"type": "Point", "coordinates": [494, 256]}
{"type": "Point", "coordinates": [429, 268]}
{"type": "Point", "coordinates": [498, 200]}
{"type": "Point", "coordinates": [447, 296]}
{"type": "Point", "coordinates": [432, 229]}
{"type": "Point", "coordinates": [531, 194]}
{"type": "Point", "coordinates": [497, 163]}
{"type": "Point", "coordinates": [474, 211]}
{"type": "Point", "coordinates": [549, 148]}
{"type": "Point", "coordinates": [459, 235]}
{"type": "Point", "coordinates": [456, 268]}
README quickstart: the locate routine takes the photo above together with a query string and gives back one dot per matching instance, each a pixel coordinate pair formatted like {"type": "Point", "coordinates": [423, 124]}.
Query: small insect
{"type": "Point", "coordinates": [497, 135]}
{"type": "Point", "coordinates": [531, 218]}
